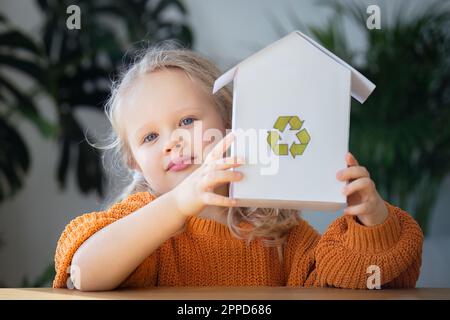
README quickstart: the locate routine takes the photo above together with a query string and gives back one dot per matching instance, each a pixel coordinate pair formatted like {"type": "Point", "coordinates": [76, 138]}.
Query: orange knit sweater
{"type": "Point", "coordinates": [207, 254]}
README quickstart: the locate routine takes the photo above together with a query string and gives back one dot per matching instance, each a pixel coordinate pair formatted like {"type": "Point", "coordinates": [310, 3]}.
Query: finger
{"type": "Point", "coordinates": [228, 162]}
{"type": "Point", "coordinates": [220, 148]}
{"type": "Point", "coordinates": [357, 209]}
{"type": "Point", "coordinates": [215, 178]}
{"type": "Point", "coordinates": [218, 200]}
{"type": "Point", "coordinates": [351, 160]}
{"type": "Point", "coordinates": [354, 172]}
{"type": "Point", "coordinates": [364, 185]}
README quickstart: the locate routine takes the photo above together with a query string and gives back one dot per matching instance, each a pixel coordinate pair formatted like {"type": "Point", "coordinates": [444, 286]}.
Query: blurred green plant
{"type": "Point", "coordinates": [79, 64]}
{"type": "Point", "coordinates": [73, 69]}
{"type": "Point", "coordinates": [402, 132]}
{"type": "Point", "coordinates": [18, 54]}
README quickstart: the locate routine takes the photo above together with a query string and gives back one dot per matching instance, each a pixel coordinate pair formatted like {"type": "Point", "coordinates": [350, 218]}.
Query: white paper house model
{"type": "Point", "coordinates": [295, 95]}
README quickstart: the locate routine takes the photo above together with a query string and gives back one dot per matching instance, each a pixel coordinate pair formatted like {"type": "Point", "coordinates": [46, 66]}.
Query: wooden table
{"type": "Point", "coordinates": [226, 293]}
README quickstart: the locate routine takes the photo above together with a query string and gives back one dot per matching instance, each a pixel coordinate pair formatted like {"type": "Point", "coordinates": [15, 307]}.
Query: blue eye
{"type": "Point", "coordinates": [187, 121]}
{"type": "Point", "coordinates": [150, 137]}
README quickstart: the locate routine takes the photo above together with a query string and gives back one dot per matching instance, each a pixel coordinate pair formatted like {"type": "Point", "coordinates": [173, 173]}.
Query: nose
{"type": "Point", "coordinates": [173, 144]}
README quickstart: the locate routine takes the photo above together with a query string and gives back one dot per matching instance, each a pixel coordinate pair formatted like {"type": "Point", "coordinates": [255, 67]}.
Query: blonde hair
{"type": "Point", "coordinates": [271, 225]}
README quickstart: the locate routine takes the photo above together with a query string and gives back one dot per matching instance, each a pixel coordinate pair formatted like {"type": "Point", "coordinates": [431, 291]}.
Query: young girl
{"type": "Point", "coordinates": [175, 226]}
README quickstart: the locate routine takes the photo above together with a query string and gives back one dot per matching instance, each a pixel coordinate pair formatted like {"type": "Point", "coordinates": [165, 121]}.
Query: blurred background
{"type": "Point", "coordinates": [54, 81]}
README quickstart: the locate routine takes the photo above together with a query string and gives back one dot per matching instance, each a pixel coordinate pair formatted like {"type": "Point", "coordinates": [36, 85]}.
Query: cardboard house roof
{"type": "Point", "coordinates": [361, 87]}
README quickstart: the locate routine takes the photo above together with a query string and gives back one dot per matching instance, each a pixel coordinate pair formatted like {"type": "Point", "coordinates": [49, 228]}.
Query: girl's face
{"type": "Point", "coordinates": [159, 106]}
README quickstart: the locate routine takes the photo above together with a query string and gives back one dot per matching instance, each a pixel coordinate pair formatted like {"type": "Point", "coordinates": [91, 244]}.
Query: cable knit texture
{"type": "Point", "coordinates": [207, 254]}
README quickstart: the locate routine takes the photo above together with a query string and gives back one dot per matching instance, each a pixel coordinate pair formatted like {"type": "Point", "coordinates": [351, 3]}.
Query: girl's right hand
{"type": "Point", "coordinates": [195, 192]}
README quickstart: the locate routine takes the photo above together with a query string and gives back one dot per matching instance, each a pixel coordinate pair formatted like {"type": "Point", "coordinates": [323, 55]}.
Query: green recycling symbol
{"type": "Point", "coordinates": [296, 149]}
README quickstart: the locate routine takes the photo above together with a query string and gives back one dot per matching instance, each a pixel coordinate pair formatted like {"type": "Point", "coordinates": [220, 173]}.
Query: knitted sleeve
{"type": "Point", "coordinates": [299, 255]}
{"type": "Point", "coordinates": [84, 226]}
{"type": "Point", "coordinates": [349, 253]}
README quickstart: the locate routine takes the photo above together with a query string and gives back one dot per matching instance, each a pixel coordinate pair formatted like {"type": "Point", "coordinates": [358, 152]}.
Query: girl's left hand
{"type": "Point", "coordinates": [362, 197]}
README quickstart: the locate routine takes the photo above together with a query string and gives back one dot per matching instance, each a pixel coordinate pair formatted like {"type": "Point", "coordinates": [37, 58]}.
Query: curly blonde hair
{"type": "Point", "coordinates": [270, 225]}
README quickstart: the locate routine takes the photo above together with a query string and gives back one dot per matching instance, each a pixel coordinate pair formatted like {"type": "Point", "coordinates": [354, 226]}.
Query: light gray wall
{"type": "Point", "coordinates": [225, 31]}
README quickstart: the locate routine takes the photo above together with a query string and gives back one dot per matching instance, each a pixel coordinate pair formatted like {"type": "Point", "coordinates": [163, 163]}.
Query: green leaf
{"type": "Point", "coordinates": [164, 5]}
{"type": "Point", "coordinates": [26, 107]}
{"type": "Point", "coordinates": [14, 160]}
{"type": "Point", "coordinates": [16, 40]}
{"type": "Point", "coordinates": [30, 68]}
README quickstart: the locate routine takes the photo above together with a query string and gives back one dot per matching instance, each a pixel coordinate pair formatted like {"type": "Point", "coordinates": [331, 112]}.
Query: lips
{"type": "Point", "coordinates": [180, 163]}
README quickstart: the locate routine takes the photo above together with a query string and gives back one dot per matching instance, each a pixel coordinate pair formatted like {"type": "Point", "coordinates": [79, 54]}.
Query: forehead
{"type": "Point", "coordinates": [158, 96]}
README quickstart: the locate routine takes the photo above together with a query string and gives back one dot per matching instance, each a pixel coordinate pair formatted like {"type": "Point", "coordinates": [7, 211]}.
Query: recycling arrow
{"type": "Point", "coordinates": [282, 122]}
{"type": "Point", "coordinates": [279, 149]}
{"type": "Point", "coordinates": [283, 149]}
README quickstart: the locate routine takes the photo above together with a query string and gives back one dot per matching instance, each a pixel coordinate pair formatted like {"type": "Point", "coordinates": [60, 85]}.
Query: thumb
{"type": "Point", "coordinates": [351, 160]}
